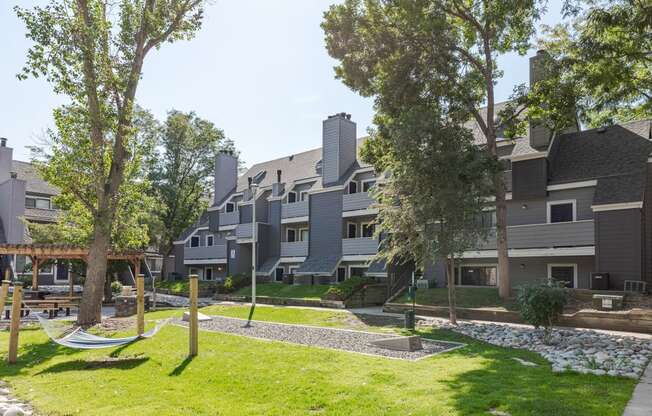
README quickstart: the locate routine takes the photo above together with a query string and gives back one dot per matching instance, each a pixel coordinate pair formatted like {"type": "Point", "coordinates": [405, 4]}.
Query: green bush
{"type": "Point", "coordinates": [182, 287]}
{"type": "Point", "coordinates": [116, 287]}
{"type": "Point", "coordinates": [347, 288]}
{"type": "Point", "coordinates": [233, 283]}
{"type": "Point", "coordinates": [541, 304]}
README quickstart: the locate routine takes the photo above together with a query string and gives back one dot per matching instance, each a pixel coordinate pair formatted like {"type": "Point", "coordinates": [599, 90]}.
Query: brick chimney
{"type": "Point", "coordinates": [540, 135]}
{"type": "Point", "coordinates": [339, 147]}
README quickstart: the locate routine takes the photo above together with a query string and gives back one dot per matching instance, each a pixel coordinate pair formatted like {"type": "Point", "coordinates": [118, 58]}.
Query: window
{"type": "Point", "coordinates": [303, 196]}
{"type": "Point", "coordinates": [194, 241]}
{"type": "Point", "coordinates": [368, 230]}
{"type": "Point", "coordinates": [566, 273]}
{"type": "Point", "coordinates": [230, 207]}
{"type": "Point", "coordinates": [357, 271]}
{"type": "Point", "coordinates": [353, 187]}
{"type": "Point", "coordinates": [303, 234]}
{"type": "Point", "coordinates": [341, 274]}
{"type": "Point", "coordinates": [368, 184]}
{"type": "Point", "coordinates": [278, 275]}
{"type": "Point", "coordinates": [209, 241]}
{"type": "Point", "coordinates": [351, 230]}
{"type": "Point", "coordinates": [292, 197]}
{"type": "Point", "coordinates": [561, 211]}
{"type": "Point", "coordinates": [40, 203]}
{"type": "Point", "coordinates": [291, 235]}
{"type": "Point", "coordinates": [478, 276]}
{"type": "Point", "coordinates": [194, 271]}
{"type": "Point", "coordinates": [488, 219]}
{"type": "Point", "coordinates": [208, 273]}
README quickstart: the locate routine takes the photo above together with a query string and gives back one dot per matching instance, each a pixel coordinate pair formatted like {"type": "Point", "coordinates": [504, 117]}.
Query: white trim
{"type": "Point", "coordinates": [300, 235]}
{"type": "Point", "coordinates": [649, 160]}
{"type": "Point", "coordinates": [295, 219]}
{"type": "Point", "coordinates": [302, 181]}
{"type": "Point", "coordinates": [292, 269]}
{"type": "Point", "coordinates": [292, 260]}
{"type": "Point", "coordinates": [561, 202]}
{"type": "Point", "coordinates": [533, 252]}
{"type": "Point", "coordinates": [212, 274]}
{"type": "Point", "coordinates": [362, 224]}
{"type": "Point", "coordinates": [229, 199]}
{"type": "Point", "coordinates": [359, 212]}
{"type": "Point", "coordinates": [305, 192]}
{"type": "Point", "coordinates": [200, 262]}
{"type": "Point", "coordinates": [347, 229]}
{"type": "Point", "coordinates": [296, 197]}
{"type": "Point", "coordinates": [572, 185]}
{"type": "Point", "coordinates": [329, 189]}
{"type": "Point", "coordinates": [573, 265]}
{"type": "Point", "coordinates": [235, 207]}
{"type": "Point", "coordinates": [614, 207]}
{"type": "Point", "coordinates": [55, 265]}
{"type": "Point", "coordinates": [355, 266]}
{"type": "Point", "coordinates": [188, 238]}
{"type": "Point", "coordinates": [228, 227]}
{"type": "Point", "coordinates": [348, 187]}
{"type": "Point", "coordinates": [337, 272]}
{"type": "Point", "coordinates": [546, 223]}
{"type": "Point", "coordinates": [529, 156]}
{"type": "Point", "coordinates": [358, 257]}
{"type": "Point", "coordinates": [271, 272]}
{"type": "Point", "coordinates": [198, 241]}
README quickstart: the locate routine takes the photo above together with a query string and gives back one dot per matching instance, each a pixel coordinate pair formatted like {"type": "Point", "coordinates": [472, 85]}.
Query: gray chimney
{"type": "Point", "coordinates": [540, 135]}
{"type": "Point", "coordinates": [226, 175]}
{"type": "Point", "coordinates": [339, 147]}
{"type": "Point", "coordinates": [277, 187]}
{"type": "Point", "coordinates": [6, 157]}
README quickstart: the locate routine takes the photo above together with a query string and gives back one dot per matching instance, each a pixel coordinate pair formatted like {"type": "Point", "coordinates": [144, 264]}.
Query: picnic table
{"type": "Point", "coordinates": [51, 306]}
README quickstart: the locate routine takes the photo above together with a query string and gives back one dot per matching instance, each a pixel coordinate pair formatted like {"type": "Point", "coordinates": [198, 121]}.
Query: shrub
{"type": "Point", "coordinates": [233, 283]}
{"type": "Point", "coordinates": [541, 304]}
{"type": "Point", "coordinates": [116, 287]}
{"type": "Point", "coordinates": [347, 288]}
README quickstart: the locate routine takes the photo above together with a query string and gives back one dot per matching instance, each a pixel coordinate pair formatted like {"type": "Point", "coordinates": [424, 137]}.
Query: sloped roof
{"type": "Point", "coordinates": [35, 183]}
{"type": "Point", "coordinates": [41, 215]}
{"type": "Point", "coordinates": [319, 265]}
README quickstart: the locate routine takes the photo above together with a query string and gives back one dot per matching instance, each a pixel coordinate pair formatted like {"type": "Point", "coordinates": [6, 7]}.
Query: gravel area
{"type": "Point", "coordinates": [8, 402]}
{"type": "Point", "coordinates": [339, 339]}
{"type": "Point", "coordinates": [583, 351]}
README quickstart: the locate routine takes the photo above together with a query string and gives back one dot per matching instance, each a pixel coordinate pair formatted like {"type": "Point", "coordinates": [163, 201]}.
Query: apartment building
{"type": "Point", "coordinates": [312, 211]}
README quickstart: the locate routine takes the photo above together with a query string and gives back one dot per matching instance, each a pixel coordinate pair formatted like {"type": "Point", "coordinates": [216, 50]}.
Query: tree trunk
{"type": "Point", "coordinates": [450, 279]}
{"type": "Point", "coordinates": [108, 294]}
{"type": "Point", "coordinates": [90, 308]}
{"type": "Point", "coordinates": [504, 284]}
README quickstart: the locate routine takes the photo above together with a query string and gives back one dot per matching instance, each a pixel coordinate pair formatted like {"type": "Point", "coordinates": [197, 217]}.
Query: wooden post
{"type": "Point", "coordinates": [193, 321]}
{"type": "Point", "coordinates": [34, 273]}
{"type": "Point", "coordinates": [140, 303]}
{"type": "Point", "coordinates": [4, 292]}
{"type": "Point", "coordinates": [17, 301]}
{"type": "Point", "coordinates": [71, 282]}
{"type": "Point", "coordinates": [136, 268]}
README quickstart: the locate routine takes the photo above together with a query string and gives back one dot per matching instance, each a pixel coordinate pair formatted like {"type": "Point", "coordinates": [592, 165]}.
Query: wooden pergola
{"type": "Point", "coordinates": [40, 253]}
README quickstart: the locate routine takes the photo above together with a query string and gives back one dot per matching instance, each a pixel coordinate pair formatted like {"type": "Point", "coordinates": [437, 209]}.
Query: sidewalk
{"type": "Point", "coordinates": [641, 401]}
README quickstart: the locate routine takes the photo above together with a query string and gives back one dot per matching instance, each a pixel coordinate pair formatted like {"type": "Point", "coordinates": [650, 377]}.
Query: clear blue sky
{"type": "Point", "coordinates": [258, 69]}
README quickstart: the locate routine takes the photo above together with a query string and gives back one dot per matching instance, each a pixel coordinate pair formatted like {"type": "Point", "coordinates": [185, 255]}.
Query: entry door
{"type": "Point", "coordinates": [62, 272]}
{"type": "Point", "coordinates": [341, 274]}
{"type": "Point", "coordinates": [279, 274]}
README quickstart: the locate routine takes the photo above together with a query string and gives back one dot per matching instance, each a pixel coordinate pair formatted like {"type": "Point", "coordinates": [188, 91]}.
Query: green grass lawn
{"type": "Point", "coordinates": [240, 376]}
{"type": "Point", "coordinates": [281, 290]}
{"type": "Point", "coordinates": [466, 297]}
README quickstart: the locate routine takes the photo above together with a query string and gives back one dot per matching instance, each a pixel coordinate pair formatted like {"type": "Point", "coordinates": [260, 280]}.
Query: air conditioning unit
{"type": "Point", "coordinates": [600, 281]}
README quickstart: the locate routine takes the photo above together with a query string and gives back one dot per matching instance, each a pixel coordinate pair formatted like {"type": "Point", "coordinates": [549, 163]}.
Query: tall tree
{"type": "Point", "coordinates": [93, 52]}
{"type": "Point", "coordinates": [406, 53]}
{"type": "Point", "coordinates": [182, 174]}
{"type": "Point", "coordinates": [433, 207]}
{"type": "Point", "coordinates": [603, 58]}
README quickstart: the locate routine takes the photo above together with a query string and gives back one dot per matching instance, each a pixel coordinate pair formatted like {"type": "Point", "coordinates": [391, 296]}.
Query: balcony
{"type": "Point", "coordinates": [563, 234]}
{"type": "Point", "coordinates": [359, 246]}
{"type": "Point", "coordinates": [294, 249]}
{"type": "Point", "coordinates": [229, 218]}
{"type": "Point", "coordinates": [356, 202]}
{"type": "Point", "coordinates": [243, 231]}
{"type": "Point", "coordinates": [295, 209]}
{"type": "Point", "coordinates": [197, 253]}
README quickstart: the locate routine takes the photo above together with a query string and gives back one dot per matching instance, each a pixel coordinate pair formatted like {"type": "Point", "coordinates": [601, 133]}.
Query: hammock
{"type": "Point", "coordinates": [79, 339]}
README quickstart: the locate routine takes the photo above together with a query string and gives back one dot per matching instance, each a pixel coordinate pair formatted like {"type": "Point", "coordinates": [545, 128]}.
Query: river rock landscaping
{"type": "Point", "coordinates": [583, 351]}
{"type": "Point", "coordinates": [11, 406]}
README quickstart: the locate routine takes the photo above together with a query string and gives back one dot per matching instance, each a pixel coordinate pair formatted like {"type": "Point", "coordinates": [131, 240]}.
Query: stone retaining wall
{"type": "Point", "coordinates": [336, 304]}
{"type": "Point", "coordinates": [635, 320]}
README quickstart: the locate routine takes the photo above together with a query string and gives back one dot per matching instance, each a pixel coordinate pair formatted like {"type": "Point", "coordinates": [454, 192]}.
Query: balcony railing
{"type": "Point", "coordinates": [357, 201]}
{"type": "Point", "coordinates": [355, 246]}
{"type": "Point", "coordinates": [295, 209]}
{"type": "Point", "coordinates": [229, 218]}
{"type": "Point", "coordinates": [244, 231]}
{"type": "Point", "coordinates": [562, 234]}
{"type": "Point", "coordinates": [294, 249]}
{"type": "Point", "coordinates": [213, 252]}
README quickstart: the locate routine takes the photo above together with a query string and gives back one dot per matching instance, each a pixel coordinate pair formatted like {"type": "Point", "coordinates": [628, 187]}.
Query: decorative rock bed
{"type": "Point", "coordinates": [10, 405]}
{"type": "Point", "coordinates": [583, 351]}
{"type": "Point", "coordinates": [340, 339]}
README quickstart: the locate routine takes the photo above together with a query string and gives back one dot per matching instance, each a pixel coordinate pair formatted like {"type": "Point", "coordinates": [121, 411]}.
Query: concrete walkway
{"type": "Point", "coordinates": [641, 402]}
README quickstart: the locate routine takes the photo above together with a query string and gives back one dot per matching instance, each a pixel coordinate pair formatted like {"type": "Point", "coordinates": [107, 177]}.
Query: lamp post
{"type": "Point", "coordinates": [253, 186]}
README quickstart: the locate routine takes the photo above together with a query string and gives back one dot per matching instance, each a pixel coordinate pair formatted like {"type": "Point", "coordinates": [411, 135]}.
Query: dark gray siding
{"type": "Point", "coordinates": [529, 179]}
{"type": "Point", "coordinates": [647, 240]}
{"type": "Point", "coordinates": [178, 259]}
{"type": "Point", "coordinates": [241, 262]}
{"type": "Point", "coordinates": [274, 220]}
{"type": "Point", "coordinates": [326, 224]}
{"type": "Point", "coordinates": [246, 214]}
{"type": "Point", "coordinates": [619, 245]}
{"type": "Point", "coordinates": [214, 221]}
{"type": "Point", "coordinates": [261, 210]}
{"type": "Point", "coordinates": [535, 211]}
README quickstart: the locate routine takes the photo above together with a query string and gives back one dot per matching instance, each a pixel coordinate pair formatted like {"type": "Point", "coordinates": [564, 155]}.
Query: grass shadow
{"type": "Point", "coordinates": [181, 367]}
{"type": "Point", "coordinates": [91, 365]}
